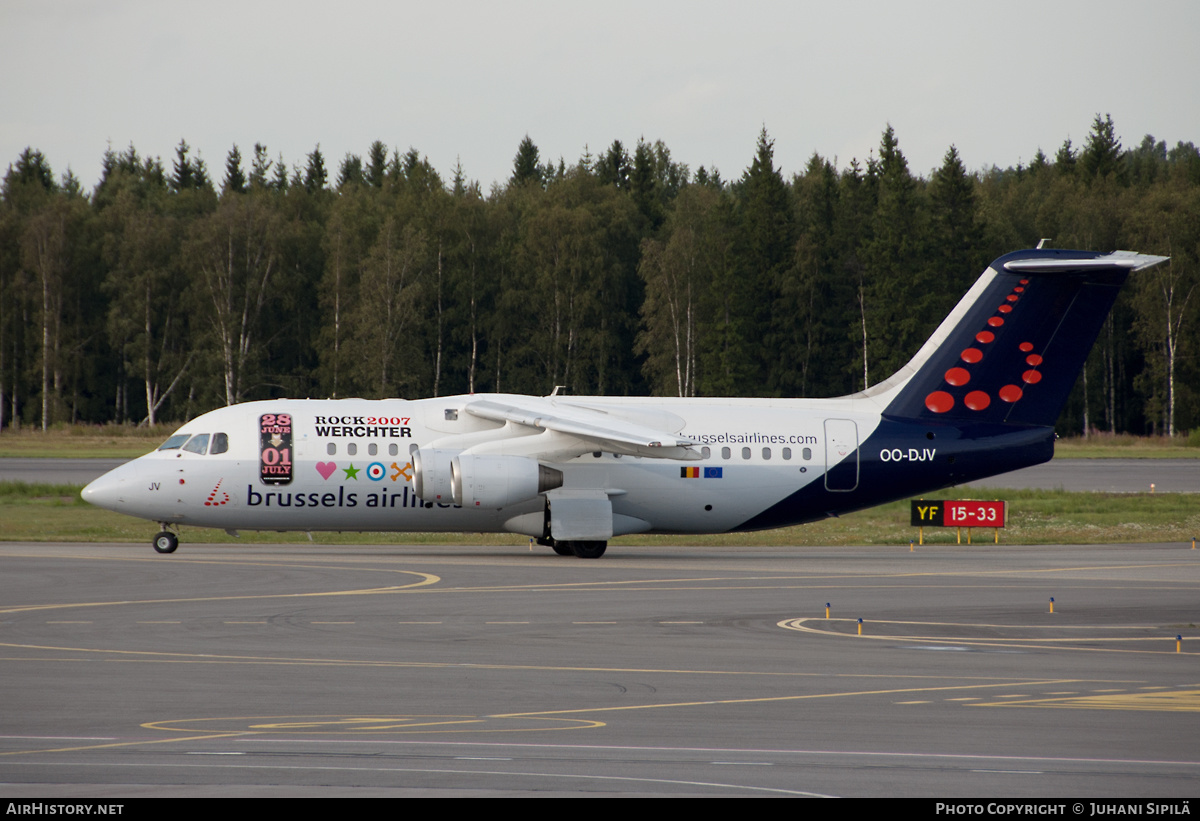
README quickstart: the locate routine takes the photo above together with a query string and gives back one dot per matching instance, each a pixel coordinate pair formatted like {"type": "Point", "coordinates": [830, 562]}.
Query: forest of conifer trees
{"type": "Point", "coordinates": [173, 288]}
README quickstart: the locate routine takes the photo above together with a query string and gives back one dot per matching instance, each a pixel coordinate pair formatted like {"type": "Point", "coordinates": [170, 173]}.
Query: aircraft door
{"type": "Point", "coordinates": [841, 455]}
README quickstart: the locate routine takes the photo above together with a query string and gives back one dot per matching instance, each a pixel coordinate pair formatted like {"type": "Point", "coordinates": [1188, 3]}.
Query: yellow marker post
{"type": "Point", "coordinates": [1179, 644]}
{"type": "Point", "coordinates": [1051, 604]}
{"type": "Point", "coordinates": [910, 546]}
{"type": "Point", "coordinates": [860, 627]}
{"type": "Point", "coordinates": [826, 609]}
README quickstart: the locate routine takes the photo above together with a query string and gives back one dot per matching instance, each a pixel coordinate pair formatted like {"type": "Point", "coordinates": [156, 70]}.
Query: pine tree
{"type": "Point", "coordinates": [459, 180]}
{"type": "Point", "coordinates": [235, 180]}
{"type": "Point", "coordinates": [899, 288]}
{"type": "Point", "coordinates": [260, 168]}
{"type": "Point", "coordinates": [314, 174]}
{"type": "Point", "coordinates": [280, 182]}
{"type": "Point", "coordinates": [350, 172]}
{"type": "Point", "coordinates": [376, 170]}
{"type": "Point", "coordinates": [1065, 159]}
{"type": "Point", "coordinates": [643, 185]}
{"type": "Point", "coordinates": [525, 164]}
{"type": "Point", "coordinates": [613, 166]}
{"type": "Point", "coordinates": [1102, 152]}
{"type": "Point", "coordinates": [766, 238]}
{"type": "Point", "coordinates": [956, 238]}
{"type": "Point", "coordinates": [185, 173]}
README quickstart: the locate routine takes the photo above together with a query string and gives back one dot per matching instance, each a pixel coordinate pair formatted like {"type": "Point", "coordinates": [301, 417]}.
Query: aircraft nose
{"type": "Point", "coordinates": [106, 491]}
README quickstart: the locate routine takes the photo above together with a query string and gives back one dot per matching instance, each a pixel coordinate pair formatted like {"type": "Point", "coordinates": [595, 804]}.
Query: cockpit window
{"type": "Point", "coordinates": [174, 442]}
{"type": "Point", "coordinates": [197, 444]}
{"type": "Point", "coordinates": [220, 444]}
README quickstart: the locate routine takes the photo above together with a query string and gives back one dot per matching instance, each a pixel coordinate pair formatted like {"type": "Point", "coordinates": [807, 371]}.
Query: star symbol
{"type": "Point", "coordinates": [351, 472]}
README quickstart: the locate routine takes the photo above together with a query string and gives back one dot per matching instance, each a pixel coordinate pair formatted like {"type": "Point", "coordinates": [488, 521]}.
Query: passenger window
{"type": "Point", "coordinates": [787, 453]}
{"type": "Point", "coordinates": [372, 449]}
{"type": "Point", "coordinates": [220, 444]}
{"type": "Point", "coordinates": [393, 449]}
{"type": "Point", "coordinates": [807, 454]}
{"type": "Point", "coordinates": [766, 453]}
{"type": "Point", "coordinates": [331, 448]}
{"type": "Point", "coordinates": [705, 452]}
{"type": "Point", "coordinates": [413, 448]}
{"type": "Point", "coordinates": [352, 449]}
{"type": "Point", "coordinates": [197, 444]}
{"type": "Point", "coordinates": [745, 453]}
{"type": "Point", "coordinates": [725, 453]}
{"type": "Point", "coordinates": [175, 442]}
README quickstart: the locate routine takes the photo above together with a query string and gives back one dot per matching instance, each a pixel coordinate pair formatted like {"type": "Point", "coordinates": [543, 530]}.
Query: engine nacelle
{"type": "Point", "coordinates": [499, 481]}
{"type": "Point", "coordinates": [431, 474]}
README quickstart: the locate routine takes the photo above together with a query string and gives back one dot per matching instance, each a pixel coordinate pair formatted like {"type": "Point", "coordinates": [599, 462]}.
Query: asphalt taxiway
{"type": "Point", "coordinates": [410, 670]}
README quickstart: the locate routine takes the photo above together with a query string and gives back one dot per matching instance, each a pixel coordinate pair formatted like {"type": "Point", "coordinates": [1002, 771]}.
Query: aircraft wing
{"type": "Point", "coordinates": [609, 433]}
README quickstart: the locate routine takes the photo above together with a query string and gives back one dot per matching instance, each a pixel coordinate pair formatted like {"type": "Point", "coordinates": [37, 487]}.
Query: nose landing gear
{"type": "Point", "coordinates": [166, 542]}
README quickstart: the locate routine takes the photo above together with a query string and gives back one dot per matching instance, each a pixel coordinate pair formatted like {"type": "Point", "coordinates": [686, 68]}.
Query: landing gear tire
{"type": "Point", "coordinates": [563, 548]}
{"type": "Point", "coordinates": [166, 542]}
{"type": "Point", "coordinates": [588, 550]}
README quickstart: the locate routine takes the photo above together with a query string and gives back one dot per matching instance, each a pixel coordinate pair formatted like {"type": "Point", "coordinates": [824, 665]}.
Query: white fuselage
{"type": "Point", "coordinates": [350, 465]}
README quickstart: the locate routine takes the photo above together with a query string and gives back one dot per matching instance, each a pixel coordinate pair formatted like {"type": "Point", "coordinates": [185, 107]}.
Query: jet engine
{"type": "Point", "coordinates": [431, 474]}
{"type": "Point", "coordinates": [499, 481]}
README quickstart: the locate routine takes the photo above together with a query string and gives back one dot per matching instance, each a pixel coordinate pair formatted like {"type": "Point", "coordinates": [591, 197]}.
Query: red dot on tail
{"type": "Point", "coordinates": [1010, 393]}
{"type": "Point", "coordinates": [1026, 346]}
{"type": "Point", "coordinates": [985, 337]}
{"type": "Point", "coordinates": [1005, 309]}
{"type": "Point", "coordinates": [1031, 377]}
{"type": "Point", "coordinates": [958, 376]}
{"type": "Point", "coordinates": [1019, 289]}
{"type": "Point", "coordinates": [971, 355]}
{"type": "Point", "coordinates": [1012, 297]}
{"type": "Point", "coordinates": [977, 400]}
{"type": "Point", "coordinates": [995, 321]}
{"type": "Point", "coordinates": [1024, 282]}
{"type": "Point", "coordinates": [1034, 359]}
{"type": "Point", "coordinates": [939, 401]}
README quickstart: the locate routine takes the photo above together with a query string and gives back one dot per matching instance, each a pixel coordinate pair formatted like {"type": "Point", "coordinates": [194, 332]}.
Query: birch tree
{"type": "Point", "coordinates": [235, 254]}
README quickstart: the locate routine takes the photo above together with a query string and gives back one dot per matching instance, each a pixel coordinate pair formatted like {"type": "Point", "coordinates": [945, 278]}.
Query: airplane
{"type": "Point", "coordinates": [980, 398]}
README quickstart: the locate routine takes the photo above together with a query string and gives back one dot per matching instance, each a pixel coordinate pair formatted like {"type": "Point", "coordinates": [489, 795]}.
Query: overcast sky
{"type": "Point", "coordinates": [468, 80]}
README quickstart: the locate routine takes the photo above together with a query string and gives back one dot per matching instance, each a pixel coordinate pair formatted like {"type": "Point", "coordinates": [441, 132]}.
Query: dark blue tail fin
{"type": "Point", "coordinates": [1011, 350]}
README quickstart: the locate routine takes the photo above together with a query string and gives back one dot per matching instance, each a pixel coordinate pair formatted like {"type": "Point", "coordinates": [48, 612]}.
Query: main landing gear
{"type": "Point", "coordinates": [166, 542]}
{"type": "Point", "coordinates": [584, 550]}
{"type": "Point", "coordinates": [588, 549]}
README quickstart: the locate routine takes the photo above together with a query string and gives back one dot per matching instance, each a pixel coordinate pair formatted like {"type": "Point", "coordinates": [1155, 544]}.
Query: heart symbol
{"type": "Point", "coordinates": [326, 469]}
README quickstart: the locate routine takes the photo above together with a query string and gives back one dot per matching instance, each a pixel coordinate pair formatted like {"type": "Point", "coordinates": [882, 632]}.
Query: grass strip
{"type": "Point", "coordinates": [47, 512]}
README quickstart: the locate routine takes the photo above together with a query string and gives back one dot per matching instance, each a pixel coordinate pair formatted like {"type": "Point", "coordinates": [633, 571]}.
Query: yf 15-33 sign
{"type": "Point", "coordinates": [963, 513]}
